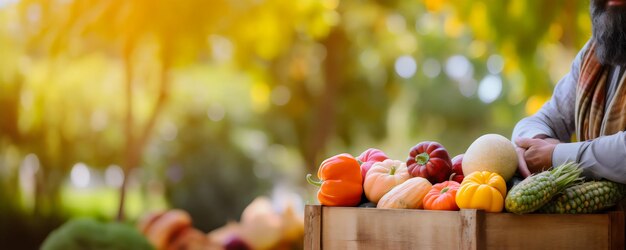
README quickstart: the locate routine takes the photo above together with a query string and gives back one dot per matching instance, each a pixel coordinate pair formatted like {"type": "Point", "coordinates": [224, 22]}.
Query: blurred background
{"type": "Point", "coordinates": [205, 105]}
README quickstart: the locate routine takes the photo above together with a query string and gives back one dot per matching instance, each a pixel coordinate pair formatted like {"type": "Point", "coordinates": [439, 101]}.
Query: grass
{"type": "Point", "coordinates": [104, 201]}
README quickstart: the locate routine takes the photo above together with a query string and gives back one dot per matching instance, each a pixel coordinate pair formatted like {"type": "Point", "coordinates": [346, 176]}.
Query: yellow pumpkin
{"type": "Point", "coordinates": [482, 190]}
{"type": "Point", "coordinates": [382, 177]}
{"type": "Point", "coordinates": [409, 194]}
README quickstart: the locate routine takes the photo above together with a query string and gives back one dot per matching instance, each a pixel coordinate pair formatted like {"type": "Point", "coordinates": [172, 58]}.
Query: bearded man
{"type": "Point", "coordinates": [590, 102]}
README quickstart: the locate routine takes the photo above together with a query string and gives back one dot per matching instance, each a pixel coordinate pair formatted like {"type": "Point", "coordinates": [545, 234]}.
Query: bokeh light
{"type": "Point", "coordinates": [468, 87]}
{"type": "Point", "coordinates": [458, 67]}
{"type": "Point", "coordinates": [490, 88]}
{"type": "Point", "coordinates": [216, 112]}
{"type": "Point", "coordinates": [495, 64]}
{"type": "Point", "coordinates": [281, 95]}
{"type": "Point", "coordinates": [396, 23]}
{"type": "Point", "coordinates": [80, 175]}
{"type": "Point", "coordinates": [114, 176]}
{"type": "Point", "coordinates": [431, 68]}
{"type": "Point", "coordinates": [405, 66]}
{"type": "Point", "coordinates": [369, 59]}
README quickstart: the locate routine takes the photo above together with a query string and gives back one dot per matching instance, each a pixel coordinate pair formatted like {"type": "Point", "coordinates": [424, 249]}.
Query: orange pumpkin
{"type": "Point", "coordinates": [442, 196]}
{"type": "Point", "coordinates": [382, 177]}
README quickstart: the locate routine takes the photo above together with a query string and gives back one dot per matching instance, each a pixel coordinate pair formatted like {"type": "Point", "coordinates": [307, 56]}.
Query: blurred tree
{"type": "Point", "coordinates": [173, 33]}
{"type": "Point", "coordinates": [122, 27]}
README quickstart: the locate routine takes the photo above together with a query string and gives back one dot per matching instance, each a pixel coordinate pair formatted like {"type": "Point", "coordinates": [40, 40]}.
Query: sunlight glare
{"type": "Point", "coordinates": [490, 88]}
{"type": "Point", "coordinates": [458, 67]}
{"type": "Point", "coordinates": [80, 175]}
{"type": "Point", "coordinates": [114, 176]}
{"type": "Point", "coordinates": [405, 66]}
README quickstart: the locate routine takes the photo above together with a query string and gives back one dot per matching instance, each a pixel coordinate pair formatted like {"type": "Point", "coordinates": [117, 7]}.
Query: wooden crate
{"type": "Point", "coordinates": [371, 228]}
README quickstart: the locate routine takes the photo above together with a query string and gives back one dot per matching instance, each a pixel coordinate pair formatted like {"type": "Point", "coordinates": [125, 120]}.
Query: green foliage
{"type": "Point", "coordinates": [210, 178]}
{"type": "Point", "coordinates": [87, 233]}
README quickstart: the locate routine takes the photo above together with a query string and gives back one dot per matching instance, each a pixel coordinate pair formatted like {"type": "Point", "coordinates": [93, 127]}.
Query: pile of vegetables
{"type": "Point", "coordinates": [264, 224]}
{"type": "Point", "coordinates": [477, 179]}
{"type": "Point", "coordinates": [428, 179]}
{"type": "Point", "coordinates": [562, 190]}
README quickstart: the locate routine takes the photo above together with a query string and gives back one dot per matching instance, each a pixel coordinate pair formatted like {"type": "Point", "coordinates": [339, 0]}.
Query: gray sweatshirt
{"type": "Point", "coordinates": [603, 157]}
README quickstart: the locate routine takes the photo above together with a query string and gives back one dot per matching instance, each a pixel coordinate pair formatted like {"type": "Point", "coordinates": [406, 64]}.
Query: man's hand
{"type": "Point", "coordinates": [534, 155]}
{"type": "Point", "coordinates": [521, 162]}
{"type": "Point", "coordinates": [551, 140]}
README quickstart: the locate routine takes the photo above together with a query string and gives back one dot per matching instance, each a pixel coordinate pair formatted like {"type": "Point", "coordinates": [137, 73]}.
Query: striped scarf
{"type": "Point", "coordinates": [593, 117]}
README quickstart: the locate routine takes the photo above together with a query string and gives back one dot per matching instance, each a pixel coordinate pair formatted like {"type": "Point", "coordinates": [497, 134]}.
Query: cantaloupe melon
{"type": "Point", "coordinates": [493, 153]}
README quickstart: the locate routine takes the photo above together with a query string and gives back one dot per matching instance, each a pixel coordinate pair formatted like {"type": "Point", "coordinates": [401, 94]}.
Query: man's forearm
{"type": "Point", "coordinates": [603, 157]}
{"type": "Point", "coordinates": [556, 118]}
{"type": "Point", "coordinates": [530, 127]}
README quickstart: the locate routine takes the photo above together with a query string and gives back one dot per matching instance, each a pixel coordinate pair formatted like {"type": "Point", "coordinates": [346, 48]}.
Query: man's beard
{"type": "Point", "coordinates": [609, 32]}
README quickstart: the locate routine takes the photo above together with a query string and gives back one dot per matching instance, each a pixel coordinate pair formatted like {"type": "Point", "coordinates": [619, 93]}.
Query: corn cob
{"type": "Point", "coordinates": [537, 190]}
{"type": "Point", "coordinates": [586, 198]}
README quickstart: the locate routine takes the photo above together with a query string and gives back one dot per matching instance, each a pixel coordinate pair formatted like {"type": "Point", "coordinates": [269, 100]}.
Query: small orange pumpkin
{"type": "Point", "coordinates": [382, 177]}
{"type": "Point", "coordinates": [442, 196]}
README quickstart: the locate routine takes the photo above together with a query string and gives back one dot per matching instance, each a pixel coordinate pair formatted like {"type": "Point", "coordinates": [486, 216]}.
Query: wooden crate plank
{"type": "Point", "coordinates": [543, 231]}
{"type": "Point", "coordinates": [617, 230]}
{"type": "Point", "coordinates": [472, 232]}
{"type": "Point", "coordinates": [312, 227]}
{"type": "Point", "coordinates": [370, 228]}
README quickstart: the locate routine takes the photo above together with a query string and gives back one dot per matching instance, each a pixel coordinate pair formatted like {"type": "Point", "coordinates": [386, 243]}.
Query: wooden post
{"type": "Point", "coordinates": [616, 237]}
{"type": "Point", "coordinates": [472, 231]}
{"type": "Point", "coordinates": [313, 227]}
{"type": "Point", "coordinates": [617, 220]}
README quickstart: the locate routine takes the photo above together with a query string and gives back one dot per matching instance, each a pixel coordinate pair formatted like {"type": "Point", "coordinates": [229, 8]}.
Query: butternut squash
{"type": "Point", "coordinates": [410, 194]}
